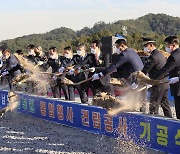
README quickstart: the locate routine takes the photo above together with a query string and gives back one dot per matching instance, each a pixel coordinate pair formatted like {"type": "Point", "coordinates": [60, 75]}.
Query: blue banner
{"type": "Point", "coordinates": [148, 131]}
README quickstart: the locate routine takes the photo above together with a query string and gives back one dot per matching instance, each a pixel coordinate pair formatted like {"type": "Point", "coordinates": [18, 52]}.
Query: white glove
{"type": "Point", "coordinates": [95, 77]}
{"type": "Point", "coordinates": [54, 77]}
{"type": "Point", "coordinates": [134, 85]}
{"type": "Point", "coordinates": [173, 80]}
{"type": "Point", "coordinates": [148, 86]}
{"type": "Point", "coordinates": [5, 73]}
{"type": "Point", "coordinates": [40, 62]}
{"type": "Point", "coordinates": [92, 69]}
{"type": "Point", "coordinates": [71, 71]}
{"type": "Point", "coordinates": [61, 69]}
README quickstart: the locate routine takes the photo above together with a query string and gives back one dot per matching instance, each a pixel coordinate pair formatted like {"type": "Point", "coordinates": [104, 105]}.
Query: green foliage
{"type": "Point", "coordinates": [156, 26]}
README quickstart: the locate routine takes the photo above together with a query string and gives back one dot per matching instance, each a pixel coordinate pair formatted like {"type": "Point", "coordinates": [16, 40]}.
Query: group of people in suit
{"type": "Point", "coordinates": [157, 67]}
{"type": "Point", "coordinates": [101, 67]}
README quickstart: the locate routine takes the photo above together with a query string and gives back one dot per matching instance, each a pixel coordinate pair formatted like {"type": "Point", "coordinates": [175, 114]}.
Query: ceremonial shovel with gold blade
{"type": "Point", "coordinates": [142, 78]}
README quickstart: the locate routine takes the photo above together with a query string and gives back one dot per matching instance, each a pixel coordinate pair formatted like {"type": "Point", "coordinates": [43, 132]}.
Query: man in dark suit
{"type": "Point", "coordinates": [158, 93]}
{"type": "Point", "coordinates": [82, 61]}
{"type": "Point", "coordinates": [66, 64]}
{"type": "Point", "coordinates": [40, 58]}
{"type": "Point", "coordinates": [54, 61]}
{"type": "Point", "coordinates": [127, 58]}
{"type": "Point", "coordinates": [172, 68]}
{"type": "Point", "coordinates": [31, 53]}
{"type": "Point", "coordinates": [31, 57]}
{"type": "Point", "coordinates": [102, 62]}
{"type": "Point", "coordinates": [12, 67]}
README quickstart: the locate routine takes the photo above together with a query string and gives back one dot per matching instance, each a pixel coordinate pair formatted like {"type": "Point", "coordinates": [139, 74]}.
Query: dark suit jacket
{"type": "Point", "coordinates": [88, 62]}
{"type": "Point", "coordinates": [44, 59]}
{"type": "Point", "coordinates": [84, 63]}
{"type": "Point", "coordinates": [130, 60]}
{"type": "Point", "coordinates": [172, 68]}
{"type": "Point", "coordinates": [66, 62]}
{"type": "Point", "coordinates": [103, 63]}
{"type": "Point", "coordinates": [13, 66]}
{"type": "Point", "coordinates": [154, 64]}
{"type": "Point", "coordinates": [54, 64]}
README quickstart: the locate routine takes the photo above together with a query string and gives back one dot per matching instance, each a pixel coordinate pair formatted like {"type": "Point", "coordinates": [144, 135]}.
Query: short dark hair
{"type": "Point", "coordinates": [31, 46]}
{"type": "Point", "coordinates": [68, 48]}
{"type": "Point", "coordinates": [53, 48]}
{"type": "Point", "coordinates": [98, 43]}
{"type": "Point", "coordinates": [19, 52]}
{"type": "Point", "coordinates": [171, 39]}
{"type": "Point", "coordinates": [121, 41]}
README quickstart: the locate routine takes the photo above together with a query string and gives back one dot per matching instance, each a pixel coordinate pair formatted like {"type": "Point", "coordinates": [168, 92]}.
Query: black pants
{"type": "Point", "coordinates": [64, 88]}
{"type": "Point", "coordinates": [143, 100]}
{"type": "Point", "coordinates": [159, 97]}
{"type": "Point", "coordinates": [177, 106]}
{"type": "Point", "coordinates": [83, 92]}
{"type": "Point", "coordinates": [71, 93]}
{"type": "Point", "coordinates": [55, 89]}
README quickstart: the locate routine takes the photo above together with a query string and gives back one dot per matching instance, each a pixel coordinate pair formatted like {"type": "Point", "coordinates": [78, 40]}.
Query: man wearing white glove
{"type": "Point", "coordinates": [173, 80]}
{"type": "Point", "coordinates": [41, 58]}
{"type": "Point", "coordinates": [13, 67]}
{"type": "Point", "coordinates": [158, 93]}
{"type": "Point", "coordinates": [172, 68]}
{"type": "Point", "coordinates": [54, 62]}
{"type": "Point", "coordinates": [101, 62]}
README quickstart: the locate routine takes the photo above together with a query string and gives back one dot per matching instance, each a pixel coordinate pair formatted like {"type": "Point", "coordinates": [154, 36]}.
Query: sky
{"type": "Point", "coordinates": [24, 17]}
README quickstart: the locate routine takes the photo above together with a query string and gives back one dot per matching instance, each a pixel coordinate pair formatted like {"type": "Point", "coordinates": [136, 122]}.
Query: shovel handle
{"type": "Point", "coordinates": [86, 80]}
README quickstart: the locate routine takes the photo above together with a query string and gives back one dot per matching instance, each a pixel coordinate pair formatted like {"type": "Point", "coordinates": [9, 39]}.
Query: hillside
{"type": "Point", "coordinates": [152, 25]}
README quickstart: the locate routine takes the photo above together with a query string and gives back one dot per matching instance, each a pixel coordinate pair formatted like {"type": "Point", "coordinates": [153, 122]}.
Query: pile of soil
{"type": "Point", "coordinates": [106, 101]}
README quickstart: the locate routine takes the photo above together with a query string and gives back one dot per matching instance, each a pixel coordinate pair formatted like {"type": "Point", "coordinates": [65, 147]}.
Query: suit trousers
{"type": "Point", "coordinates": [177, 106]}
{"type": "Point", "coordinates": [71, 93]}
{"type": "Point", "coordinates": [159, 97]}
{"type": "Point", "coordinates": [83, 92]}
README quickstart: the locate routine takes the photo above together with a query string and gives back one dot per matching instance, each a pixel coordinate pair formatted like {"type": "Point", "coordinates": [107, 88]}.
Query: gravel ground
{"type": "Point", "coordinates": [26, 134]}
